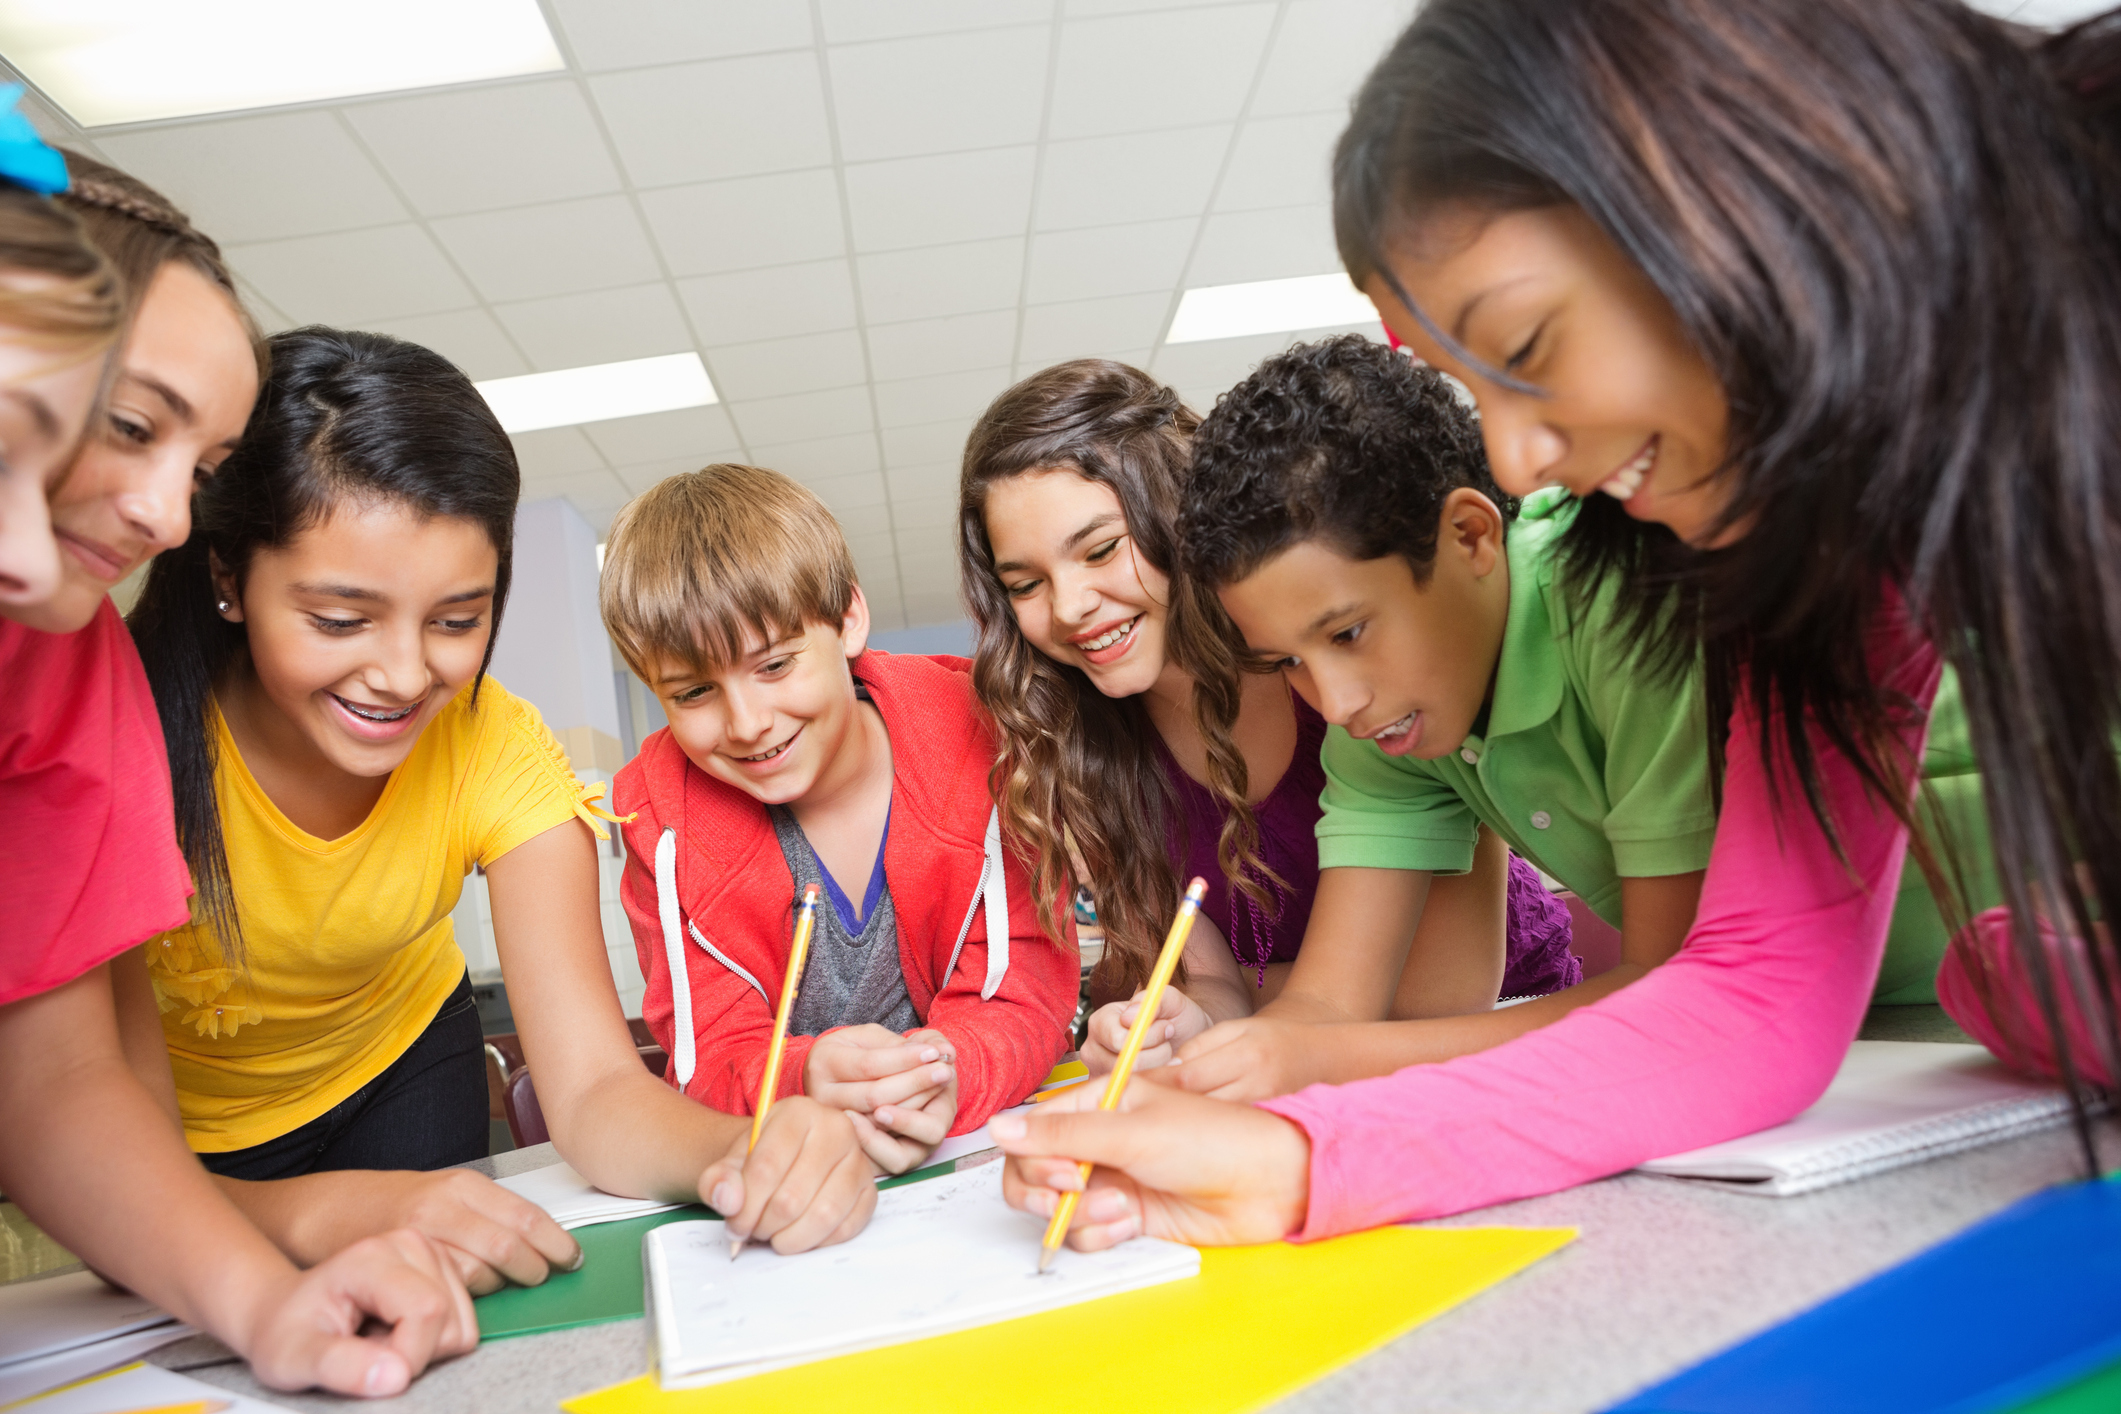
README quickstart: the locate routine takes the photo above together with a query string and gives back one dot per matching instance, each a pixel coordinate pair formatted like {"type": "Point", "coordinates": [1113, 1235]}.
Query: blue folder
{"type": "Point", "coordinates": [2008, 1310]}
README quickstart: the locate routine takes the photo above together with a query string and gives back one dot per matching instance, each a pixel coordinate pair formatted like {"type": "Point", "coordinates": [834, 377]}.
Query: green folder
{"type": "Point", "coordinates": [2094, 1394]}
{"type": "Point", "coordinates": [607, 1286]}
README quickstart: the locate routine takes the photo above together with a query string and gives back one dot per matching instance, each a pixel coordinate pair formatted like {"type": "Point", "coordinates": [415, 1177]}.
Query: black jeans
{"type": "Point", "coordinates": [427, 1111]}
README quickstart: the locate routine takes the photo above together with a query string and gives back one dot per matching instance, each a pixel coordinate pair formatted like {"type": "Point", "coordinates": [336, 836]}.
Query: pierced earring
{"type": "Point", "coordinates": [222, 606]}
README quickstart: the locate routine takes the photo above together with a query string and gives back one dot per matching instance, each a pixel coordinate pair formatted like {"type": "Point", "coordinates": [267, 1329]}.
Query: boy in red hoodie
{"type": "Point", "coordinates": [795, 755]}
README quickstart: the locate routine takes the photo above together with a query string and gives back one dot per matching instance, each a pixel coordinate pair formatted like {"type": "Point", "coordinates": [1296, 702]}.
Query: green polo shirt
{"type": "Point", "coordinates": [1590, 767]}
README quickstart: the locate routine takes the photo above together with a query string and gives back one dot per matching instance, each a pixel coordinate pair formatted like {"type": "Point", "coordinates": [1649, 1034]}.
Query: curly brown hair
{"type": "Point", "coordinates": [1078, 780]}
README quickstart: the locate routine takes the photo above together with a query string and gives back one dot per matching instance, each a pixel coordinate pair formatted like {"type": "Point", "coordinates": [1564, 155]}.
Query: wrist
{"type": "Point", "coordinates": [1292, 1170]}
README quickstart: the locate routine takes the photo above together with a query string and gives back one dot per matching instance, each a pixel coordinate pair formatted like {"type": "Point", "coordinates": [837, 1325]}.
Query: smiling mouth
{"type": "Point", "coordinates": [104, 563]}
{"type": "Point", "coordinates": [376, 714]}
{"type": "Point", "coordinates": [1393, 730]}
{"type": "Point", "coordinates": [1109, 637]}
{"type": "Point", "coordinates": [771, 753]}
{"type": "Point", "coordinates": [1625, 482]}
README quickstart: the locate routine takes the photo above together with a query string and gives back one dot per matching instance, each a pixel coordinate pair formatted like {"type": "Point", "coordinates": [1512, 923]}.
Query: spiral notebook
{"type": "Point", "coordinates": [1894, 1103]}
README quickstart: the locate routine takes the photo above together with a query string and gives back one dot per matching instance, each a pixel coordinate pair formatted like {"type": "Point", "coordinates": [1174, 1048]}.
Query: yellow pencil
{"type": "Point", "coordinates": [1152, 996]}
{"type": "Point", "coordinates": [805, 920]}
{"type": "Point", "coordinates": [196, 1406]}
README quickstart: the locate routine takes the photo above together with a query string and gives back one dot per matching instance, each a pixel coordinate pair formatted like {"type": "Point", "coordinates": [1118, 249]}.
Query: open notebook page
{"type": "Point", "coordinates": [938, 1256]}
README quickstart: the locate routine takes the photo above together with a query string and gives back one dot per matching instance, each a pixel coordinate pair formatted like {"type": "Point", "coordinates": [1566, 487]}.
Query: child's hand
{"type": "Point", "coordinates": [491, 1235]}
{"type": "Point", "coordinates": [1106, 1036]}
{"type": "Point", "coordinates": [865, 1068]}
{"type": "Point", "coordinates": [1169, 1164]}
{"type": "Point", "coordinates": [309, 1332]}
{"type": "Point", "coordinates": [1252, 1058]}
{"type": "Point", "coordinates": [899, 1138]}
{"type": "Point", "coordinates": [806, 1185]}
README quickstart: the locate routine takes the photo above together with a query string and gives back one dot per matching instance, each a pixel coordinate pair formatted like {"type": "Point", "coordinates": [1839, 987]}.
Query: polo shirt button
{"type": "Point", "coordinates": [1540, 819]}
{"type": "Point", "coordinates": [1469, 755]}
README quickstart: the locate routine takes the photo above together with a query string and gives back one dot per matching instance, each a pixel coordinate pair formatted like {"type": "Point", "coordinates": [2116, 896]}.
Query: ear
{"type": "Point", "coordinates": [1473, 526]}
{"type": "Point", "coordinates": [854, 628]}
{"type": "Point", "coordinates": [228, 596]}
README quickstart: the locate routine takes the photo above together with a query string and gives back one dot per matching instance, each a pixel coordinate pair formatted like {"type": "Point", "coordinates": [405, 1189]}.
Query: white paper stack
{"type": "Point", "coordinates": [1894, 1103]}
{"type": "Point", "coordinates": [61, 1328]}
{"type": "Point", "coordinates": [939, 1256]}
{"type": "Point", "coordinates": [573, 1201]}
{"type": "Point", "coordinates": [144, 1389]}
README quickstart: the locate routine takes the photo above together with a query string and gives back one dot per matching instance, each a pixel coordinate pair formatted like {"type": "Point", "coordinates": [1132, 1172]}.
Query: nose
{"type": "Point", "coordinates": [1525, 450]}
{"type": "Point", "coordinates": [29, 561]}
{"type": "Point", "coordinates": [1337, 695]}
{"type": "Point", "coordinates": [749, 714]}
{"type": "Point", "coordinates": [400, 670]}
{"type": "Point", "coordinates": [158, 505]}
{"type": "Point", "coordinates": [1075, 599]}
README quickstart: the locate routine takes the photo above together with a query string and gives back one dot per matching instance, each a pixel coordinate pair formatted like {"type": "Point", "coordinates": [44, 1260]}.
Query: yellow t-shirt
{"type": "Point", "coordinates": [348, 949]}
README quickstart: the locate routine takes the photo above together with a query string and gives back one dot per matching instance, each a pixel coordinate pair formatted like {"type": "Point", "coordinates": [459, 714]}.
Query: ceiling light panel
{"type": "Point", "coordinates": [598, 392]}
{"type": "Point", "coordinates": [135, 61]}
{"type": "Point", "coordinates": [1269, 307]}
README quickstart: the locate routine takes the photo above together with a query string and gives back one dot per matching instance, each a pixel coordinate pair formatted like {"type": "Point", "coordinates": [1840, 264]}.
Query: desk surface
{"type": "Point", "coordinates": [1663, 1275]}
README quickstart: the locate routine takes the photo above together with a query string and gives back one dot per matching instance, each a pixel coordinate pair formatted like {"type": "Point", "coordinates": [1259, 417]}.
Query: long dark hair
{"type": "Point", "coordinates": [1078, 774]}
{"type": "Point", "coordinates": [343, 416]}
{"type": "Point", "coordinates": [1893, 229]}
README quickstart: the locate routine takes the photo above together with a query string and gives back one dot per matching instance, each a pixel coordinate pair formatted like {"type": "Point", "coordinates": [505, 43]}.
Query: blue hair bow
{"type": "Point", "coordinates": [26, 159]}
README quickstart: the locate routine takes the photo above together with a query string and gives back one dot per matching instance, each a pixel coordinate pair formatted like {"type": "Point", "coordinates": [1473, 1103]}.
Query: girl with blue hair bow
{"type": "Point", "coordinates": [84, 786]}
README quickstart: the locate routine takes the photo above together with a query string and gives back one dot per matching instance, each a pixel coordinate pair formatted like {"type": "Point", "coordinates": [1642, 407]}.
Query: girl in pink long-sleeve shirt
{"type": "Point", "coordinates": [1742, 271]}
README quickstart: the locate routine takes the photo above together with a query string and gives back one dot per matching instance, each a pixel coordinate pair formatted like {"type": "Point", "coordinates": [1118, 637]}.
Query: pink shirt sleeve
{"type": "Point", "coordinates": [1739, 1031]}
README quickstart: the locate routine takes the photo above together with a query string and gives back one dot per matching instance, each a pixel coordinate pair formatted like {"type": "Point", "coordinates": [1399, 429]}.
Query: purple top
{"type": "Point", "coordinates": [1538, 960]}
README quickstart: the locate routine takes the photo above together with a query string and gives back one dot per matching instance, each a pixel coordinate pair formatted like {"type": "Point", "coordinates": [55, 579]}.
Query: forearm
{"type": "Point", "coordinates": [1359, 1051]}
{"type": "Point", "coordinates": [97, 1164]}
{"type": "Point", "coordinates": [632, 1135]}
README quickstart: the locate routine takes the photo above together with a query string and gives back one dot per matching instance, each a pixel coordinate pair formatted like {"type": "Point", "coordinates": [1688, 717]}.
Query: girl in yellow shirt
{"type": "Point", "coordinates": [341, 761]}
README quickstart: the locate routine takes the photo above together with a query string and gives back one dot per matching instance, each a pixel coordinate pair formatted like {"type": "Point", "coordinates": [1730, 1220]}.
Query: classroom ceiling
{"type": "Point", "coordinates": [867, 216]}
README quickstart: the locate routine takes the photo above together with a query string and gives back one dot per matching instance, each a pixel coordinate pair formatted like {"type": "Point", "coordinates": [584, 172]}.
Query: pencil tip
{"type": "Point", "coordinates": [1045, 1259]}
{"type": "Point", "coordinates": [736, 1245]}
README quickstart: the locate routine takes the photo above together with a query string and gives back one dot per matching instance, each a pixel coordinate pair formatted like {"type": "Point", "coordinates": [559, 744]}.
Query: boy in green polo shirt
{"type": "Point", "coordinates": [1340, 505]}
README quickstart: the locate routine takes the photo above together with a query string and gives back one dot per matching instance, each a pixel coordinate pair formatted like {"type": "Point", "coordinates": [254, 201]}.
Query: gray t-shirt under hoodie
{"type": "Point", "coordinates": [853, 974]}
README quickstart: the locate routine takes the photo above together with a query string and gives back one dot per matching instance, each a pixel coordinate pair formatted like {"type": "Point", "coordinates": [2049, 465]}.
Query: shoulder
{"type": "Point", "coordinates": [941, 747]}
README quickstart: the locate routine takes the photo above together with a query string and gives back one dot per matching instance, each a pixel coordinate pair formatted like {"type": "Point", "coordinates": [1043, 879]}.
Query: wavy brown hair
{"type": "Point", "coordinates": [1078, 779]}
{"type": "Point", "coordinates": [1893, 229]}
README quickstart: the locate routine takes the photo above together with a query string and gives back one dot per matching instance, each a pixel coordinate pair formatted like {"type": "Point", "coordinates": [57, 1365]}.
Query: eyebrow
{"type": "Point", "coordinates": [376, 596]}
{"type": "Point", "coordinates": [1465, 311]}
{"type": "Point", "coordinates": [1455, 347]}
{"type": "Point", "coordinates": [40, 411]}
{"type": "Point", "coordinates": [178, 403]}
{"type": "Point", "coordinates": [1089, 528]}
{"type": "Point", "coordinates": [1338, 611]}
{"type": "Point", "coordinates": [690, 675]}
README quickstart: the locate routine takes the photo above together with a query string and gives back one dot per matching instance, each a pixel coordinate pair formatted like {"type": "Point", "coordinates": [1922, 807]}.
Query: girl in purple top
{"type": "Point", "coordinates": [1087, 659]}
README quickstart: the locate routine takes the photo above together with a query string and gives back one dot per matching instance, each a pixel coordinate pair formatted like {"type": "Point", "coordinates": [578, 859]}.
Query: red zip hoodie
{"type": "Point", "coordinates": [710, 895]}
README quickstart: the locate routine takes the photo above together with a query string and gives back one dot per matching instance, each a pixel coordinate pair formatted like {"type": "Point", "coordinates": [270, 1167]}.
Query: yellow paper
{"type": "Point", "coordinates": [1256, 1324]}
{"type": "Point", "coordinates": [1065, 1072]}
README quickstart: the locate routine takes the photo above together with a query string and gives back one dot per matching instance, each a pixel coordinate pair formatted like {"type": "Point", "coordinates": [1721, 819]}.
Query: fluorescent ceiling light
{"type": "Point", "coordinates": [134, 61]}
{"type": "Point", "coordinates": [2044, 14]}
{"type": "Point", "coordinates": [1269, 307]}
{"type": "Point", "coordinates": [599, 392]}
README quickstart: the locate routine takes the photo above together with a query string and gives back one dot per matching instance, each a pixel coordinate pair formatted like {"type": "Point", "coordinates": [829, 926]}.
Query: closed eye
{"type": "Point", "coordinates": [1021, 589]}
{"type": "Point", "coordinates": [1347, 636]}
{"type": "Point", "coordinates": [1104, 552]}
{"type": "Point", "coordinates": [460, 625]}
{"type": "Point", "coordinates": [336, 626]}
{"type": "Point", "coordinates": [1524, 353]}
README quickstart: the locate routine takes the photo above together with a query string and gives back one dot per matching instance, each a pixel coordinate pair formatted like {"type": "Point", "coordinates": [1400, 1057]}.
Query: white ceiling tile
{"type": "Point", "coordinates": [850, 21]}
{"type": "Point", "coordinates": [261, 179]}
{"type": "Point", "coordinates": [1081, 9]}
{"type": "Point", "coordinates": [940, 93]}
{"type": "Point", "coordinates": [699, 433]}
{"type": "Point", "coordinates": [510, 145]}
{"type": "Point", "coordinates": [1282, 162]}
{"type": "Point", "coordinates": [856, 500]}
{"type": "Point", "coordinates": [1216, 364]}
{"type": "Point", "coordinates": [1092, 328]}
{"type": "Point", "coordinates": [817, 458]}
{"type": "Point", "coordinates": [802, 416]}
{"type": "Point", "coordinates": [770, 304]}
{"type": "Point", "coordinates": [1160, 70]}
{"type": "Point", "coordinates": [803, 364]}
{"type": "Point", "coordinates": [597, 487]}
{"type": "Point", "coordinates": [565, 246]}
{"type": "Point", "coordinates": [1264, 245]}
{"type": "Point", "coordinates": [927, 444]}
{"type": "Point", "coordinates": [917, 485]}
{"type": "Point", "coordinates": [1324, 50]}
{"type": "Point", "coordinates": [1108, 260]}
{"type": "Point", "coordinates": [730, 118]}
{"type": "Point", "coordinates": [557, 451]}
{"type": "Point", "coordinates": [623, 34]}
{"type": "Point", "coordinates": [920, 201]}
{"type": "Point", "coordinates": [928, 513]}
{"type": "Point", "coordinates": [903, 285]}
{"type": "Point", "coordinates": [948, 345]}
{"type": "Point", "coordinates": [927, 542]}
{"type": "Point", "coordinates": [751, 221]}
{"type": "Point", "coordinates": [640, 478]}
{"type": "Point", "coordinates": [569, 331]}
{"type": "Point", "coordinates": [355, 277]}
{"type": "Point", "coordinates": [1104, 181]}
{"type": "Point", "coordinates": [932, 607]}
{"type": "Point", "coordinates": [468, 338]}
{"type": "Point", "coordinates": [904, 402]}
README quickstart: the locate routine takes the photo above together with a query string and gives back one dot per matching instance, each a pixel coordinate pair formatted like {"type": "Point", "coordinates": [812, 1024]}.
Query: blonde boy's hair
{"type": "Point", "coordinates": [705, 559]}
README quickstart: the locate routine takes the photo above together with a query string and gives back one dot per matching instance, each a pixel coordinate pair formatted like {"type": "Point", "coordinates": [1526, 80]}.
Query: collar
{"type": "Point", "coordinates": [1528, 672]}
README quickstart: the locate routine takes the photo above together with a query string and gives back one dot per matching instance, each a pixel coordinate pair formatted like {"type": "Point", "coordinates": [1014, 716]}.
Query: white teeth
{"type": "Point", "coordinates": [767, 755]}
{"type": "Point", "coordinates": [1628, 480]}
{"type": "Point", "coordinates": [371, 715]}
{"type": "Point", "coordinates": [1399, 728]}
{"type": "Point", "coordinates": [1106, 640]}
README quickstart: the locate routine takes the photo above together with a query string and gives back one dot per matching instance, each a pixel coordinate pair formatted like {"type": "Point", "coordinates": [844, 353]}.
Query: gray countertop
{"type": "Point", "coordinates": [1663, 1274]}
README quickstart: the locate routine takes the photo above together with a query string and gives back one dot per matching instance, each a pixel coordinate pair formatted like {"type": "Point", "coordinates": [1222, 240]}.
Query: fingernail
{"type": "Point", "coordinates": [724, 1198]}
{"type": "Point", "coordinates": [384, 1377]}
{"type": "Point", "coordinates": [930, 1054]}
{"type": "Point", "coordinates": [1106, 1204]}
{"type": "Point", "coordinates": [883, 1115]}
{"type": "Point", "coordinates": [579, 1257]}
{"type": "Point", "coordinates": [1007, 1127]}
{"type": "Point", "coordinates": [1127, 1231]}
